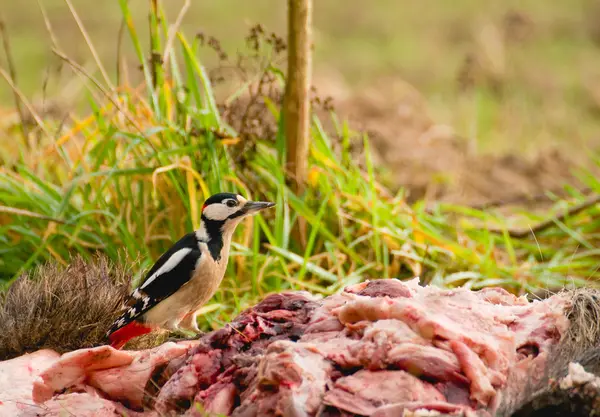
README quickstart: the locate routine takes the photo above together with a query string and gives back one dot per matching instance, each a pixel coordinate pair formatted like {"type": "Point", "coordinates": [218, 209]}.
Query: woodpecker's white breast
{"type": "Point", "coordinates": [205, 281]}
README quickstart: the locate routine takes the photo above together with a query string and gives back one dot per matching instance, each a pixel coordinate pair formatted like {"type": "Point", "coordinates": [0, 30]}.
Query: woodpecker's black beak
{"type": "Point", "coordinates": [252, 207]}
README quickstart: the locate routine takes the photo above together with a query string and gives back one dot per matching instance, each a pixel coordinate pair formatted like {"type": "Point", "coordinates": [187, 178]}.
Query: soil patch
{"type": "Point", "coordinates": [432, 162]}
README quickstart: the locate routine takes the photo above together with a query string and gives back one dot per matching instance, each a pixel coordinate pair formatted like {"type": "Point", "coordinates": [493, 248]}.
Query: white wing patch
{"type": "Point", "coordinates": [171, 263]}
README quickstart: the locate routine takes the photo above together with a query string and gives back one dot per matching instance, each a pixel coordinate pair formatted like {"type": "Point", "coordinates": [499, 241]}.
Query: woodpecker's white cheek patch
{"type": "Point", "coordinates": [201, 233]}
{"type": "Point", "coordinates": [171, 263]}
{"type": "Point", "coordinates": [219, 211]}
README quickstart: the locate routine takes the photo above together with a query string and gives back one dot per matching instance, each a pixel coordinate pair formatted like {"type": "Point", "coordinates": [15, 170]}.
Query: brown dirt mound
{"type": "Point", "coordinates": [431, 161]}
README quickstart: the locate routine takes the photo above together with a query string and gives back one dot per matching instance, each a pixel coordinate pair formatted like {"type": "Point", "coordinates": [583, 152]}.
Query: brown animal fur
{"type": "Point", "coordinates": [63, 308]}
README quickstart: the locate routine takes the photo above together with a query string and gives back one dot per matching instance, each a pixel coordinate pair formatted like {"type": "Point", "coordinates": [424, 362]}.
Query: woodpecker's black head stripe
{"type": "Point", "coordinates": [218, 198]}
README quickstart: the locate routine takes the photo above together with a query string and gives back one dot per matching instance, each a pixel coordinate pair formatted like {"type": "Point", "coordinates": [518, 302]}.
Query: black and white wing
{"type": "Point", "coordinates": [172, 270]}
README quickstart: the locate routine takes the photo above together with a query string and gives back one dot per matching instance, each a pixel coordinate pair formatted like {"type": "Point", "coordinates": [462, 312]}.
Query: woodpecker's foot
{"type": "Point", "coordinates": [190, 323]}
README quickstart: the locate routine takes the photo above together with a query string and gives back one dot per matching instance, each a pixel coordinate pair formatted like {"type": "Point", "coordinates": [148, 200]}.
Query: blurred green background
{"type": "Point", "coordinates": [464, 103]}
{"type": "Point", "coordinates": [515, 75]}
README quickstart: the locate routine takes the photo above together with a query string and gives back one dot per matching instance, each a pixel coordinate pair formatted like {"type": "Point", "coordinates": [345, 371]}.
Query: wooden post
{"type": "Point", "coordinates": [297, 100]}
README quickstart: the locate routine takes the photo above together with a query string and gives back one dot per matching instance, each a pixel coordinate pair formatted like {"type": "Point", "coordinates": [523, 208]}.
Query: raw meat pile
{"type": "Point", "coordinates": [380, 348]}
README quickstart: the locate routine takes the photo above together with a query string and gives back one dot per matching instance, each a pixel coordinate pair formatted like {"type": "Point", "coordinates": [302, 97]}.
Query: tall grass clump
{"type": "Point", "coordinates": [130, 176]}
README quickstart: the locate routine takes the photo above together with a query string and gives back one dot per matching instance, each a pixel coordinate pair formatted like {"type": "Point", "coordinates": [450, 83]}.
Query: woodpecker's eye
{"type": "Point", "coordinates": [231, 203]}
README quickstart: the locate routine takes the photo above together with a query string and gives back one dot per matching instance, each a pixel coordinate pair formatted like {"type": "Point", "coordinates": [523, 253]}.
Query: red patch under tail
{"type": "Point", "coordinates": [126, 333]}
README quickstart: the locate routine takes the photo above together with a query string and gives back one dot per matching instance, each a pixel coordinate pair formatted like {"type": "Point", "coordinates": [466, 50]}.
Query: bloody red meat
{"type": "Point", "coordinates": [379, 348]}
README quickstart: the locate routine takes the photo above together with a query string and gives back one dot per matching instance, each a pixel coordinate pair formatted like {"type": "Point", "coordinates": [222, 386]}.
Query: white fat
{"type": "Point", "coordinates": [421, 413]}
{"type": "Point", "coordinates": [413, 283]}
{"type": "Point", "coordinates": [171, 263]}
{"type": "Point", "coordinates": [577, 376]}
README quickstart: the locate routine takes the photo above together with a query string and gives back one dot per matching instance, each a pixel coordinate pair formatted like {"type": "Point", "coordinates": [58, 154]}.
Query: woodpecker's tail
{"type": "Point", "coordinates": [118, 338]}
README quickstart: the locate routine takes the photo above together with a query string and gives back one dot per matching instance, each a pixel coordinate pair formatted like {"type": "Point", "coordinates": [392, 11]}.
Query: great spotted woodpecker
{"type": "Point", "coordinates": [187, 275]}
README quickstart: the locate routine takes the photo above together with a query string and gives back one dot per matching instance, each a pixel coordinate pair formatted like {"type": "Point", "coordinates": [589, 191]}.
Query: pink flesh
{"type": "Point", "coordinates": [128, 383]}
{"type": "Point", "coordinates": [378, 349]}
{"type": "Point", "coordinates": [17, 377]}
{"type": "Point", "coordinates": [72, 368]}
